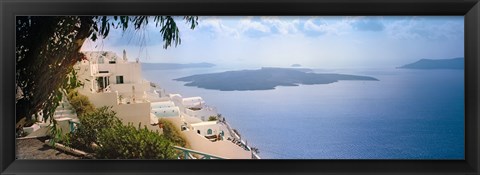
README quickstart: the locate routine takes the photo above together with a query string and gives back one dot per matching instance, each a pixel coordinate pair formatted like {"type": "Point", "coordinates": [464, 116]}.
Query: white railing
{"type": "Point", "coordinates": [188, 154]}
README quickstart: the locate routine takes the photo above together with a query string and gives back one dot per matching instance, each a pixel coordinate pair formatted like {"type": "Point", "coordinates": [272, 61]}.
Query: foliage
{"type": "Point", "coordinates": [118, 141]}
{"type": "Point", "coordinates": [255, 149]}
{"type": "Point", "coordinates": [172, 133]}
{"type": "Point", "coordinates": [72, 81]}
{"type": "Point", "coordinates": [212, 118]}
{"type": "Point", "coordinates": [91, 124]}
{"type": "Point", "coordinates": [55, 133]}
{"type": "Point", "coordinates": [46, 50]}
{"type": "Point", "coordinates": [128, 142]}
{"type": "Point", "coordinates": [80, 103]}
{"type": "Point", "coordinates": [168, 27]}
{"type": "Point", "coordinates": [47, 47]}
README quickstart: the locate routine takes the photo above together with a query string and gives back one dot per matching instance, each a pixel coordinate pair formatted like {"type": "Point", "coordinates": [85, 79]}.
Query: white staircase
{"type": "Point", "coordinates": [64, 110]}
{"type": "Point", "coordinates": [64, 113]}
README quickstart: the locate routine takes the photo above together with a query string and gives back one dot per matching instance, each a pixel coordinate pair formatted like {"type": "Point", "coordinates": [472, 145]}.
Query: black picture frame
{"type": "Point", "coordinates": [10, 8]}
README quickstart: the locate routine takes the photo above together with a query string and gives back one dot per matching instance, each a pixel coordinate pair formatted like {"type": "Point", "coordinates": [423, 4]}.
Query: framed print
{"type": "Point", "coordinates": [243, 87]}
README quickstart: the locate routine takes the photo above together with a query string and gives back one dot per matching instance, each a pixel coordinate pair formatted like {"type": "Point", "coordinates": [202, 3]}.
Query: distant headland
{"type": "Point", "coordinates": [264, 79]}
{"type": "Point", "coordinates": [296, 65]}
{"type": "Point", "coordinates": [166, 66]}
{"type": "Point", "coordinates": [454, 63]}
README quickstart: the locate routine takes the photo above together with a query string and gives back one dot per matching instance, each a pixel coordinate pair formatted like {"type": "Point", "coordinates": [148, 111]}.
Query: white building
{"type": "Point", "coordinates": [109, 73]}
{"type": "Point", "coordinates": [193, 102]}
{"type": "Point", "coordinates": [110, 80]}
{"type": "Point", "coordinates": [162, 104]}
{"type": "Point", "coordinates": [210, 130]}
{"type": "Point", "coordinates": [114, 81]}
{"type": "Point", "coordinates": [166, 112]}
{"type": "Point", "coordinates": [194, 106]}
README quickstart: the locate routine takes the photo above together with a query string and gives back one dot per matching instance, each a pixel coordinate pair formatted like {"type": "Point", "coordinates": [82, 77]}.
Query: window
{"type": "Point", "coordinates": [119, 79]}
{"type": "Point", "coordinates": [198, 131]}
{"type": "Point", "coordinates": [100, 60]}
{"type": "Point", "coordinates": [209, 132]}
{"type": "Point", "coordinates": [111, 62]}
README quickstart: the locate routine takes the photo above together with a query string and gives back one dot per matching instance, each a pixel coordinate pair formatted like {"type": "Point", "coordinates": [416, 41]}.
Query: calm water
{"type": "Point", "coordinates": [408, 114]}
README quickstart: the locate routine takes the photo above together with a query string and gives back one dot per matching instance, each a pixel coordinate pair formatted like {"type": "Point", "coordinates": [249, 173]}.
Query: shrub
{"type": "Point", "coordinates": [212, 118]}
{"type": "Point", "coordinates": [255, 149]}
{"type": "Point", "coordinates": [117, 141]}
{"type": "Point", "coordinates": [80, 103]}
{"type": "Point", "coordinates": [91, 124]}
{"type": "Point", "coordinates": [172, 133]}
{"type": "Point", "coordinates": [127, 142]}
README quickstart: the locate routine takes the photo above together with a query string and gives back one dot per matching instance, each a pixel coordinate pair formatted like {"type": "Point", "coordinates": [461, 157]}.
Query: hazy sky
{"type": "Point", "coordinates": [316, 42]}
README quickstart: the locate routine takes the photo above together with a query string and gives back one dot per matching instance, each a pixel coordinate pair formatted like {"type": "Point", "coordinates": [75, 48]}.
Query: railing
{"type": "Point", "coordinates": [188, 154]}
{"type": "Point", "coordinates": [73, 125]}
{"type": "Point", "coordinates": [185, 152]}
{"type": "Point", "coordinates": [210, 108]}
{"type": "Point", "coordinates": [230, 130]}
{"type": "Point", "coordinates": [237, 137]}
{"type": "Point", "coordinates": [151, 96]}
{"type": "Point", "coordinates": [255, 156]}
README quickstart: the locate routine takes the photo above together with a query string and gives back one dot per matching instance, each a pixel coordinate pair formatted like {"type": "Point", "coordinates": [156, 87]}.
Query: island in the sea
{"type": "Point", "coordinates": [296, 65]}
{"type": "Point", "coordinates": [167, 66]}
{"type": "Point", "coordinates": [264, 79]}
{"type": "Point", "coordinates": [454, 63]}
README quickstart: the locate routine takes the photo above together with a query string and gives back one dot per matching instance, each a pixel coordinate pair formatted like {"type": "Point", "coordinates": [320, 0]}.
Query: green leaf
{"type": "Point", "coordinates": [104, 24]}
{"type": "Point", "coordinates": [107, 31]}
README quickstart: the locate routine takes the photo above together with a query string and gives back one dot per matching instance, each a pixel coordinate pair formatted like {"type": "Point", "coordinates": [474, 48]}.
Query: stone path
{"type": "Point", "coordinates": [37, 149]}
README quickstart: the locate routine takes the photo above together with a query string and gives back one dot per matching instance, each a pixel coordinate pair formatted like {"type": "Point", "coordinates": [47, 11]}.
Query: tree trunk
{"type": "Point", "coordinates": [46, 50]}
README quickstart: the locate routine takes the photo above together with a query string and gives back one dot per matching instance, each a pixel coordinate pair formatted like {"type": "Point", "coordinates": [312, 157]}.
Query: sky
{"type": "Point", "coordinates": [322, 42]}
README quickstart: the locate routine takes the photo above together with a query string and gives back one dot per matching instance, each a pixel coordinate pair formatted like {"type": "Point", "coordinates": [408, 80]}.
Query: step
{"type": "Point", "coordinates": [66, 115]}
{"type": "Point", "coordinates": [63, 118]}
{"type": "Point", "coordinates": [62, 109]}
{"type": "Point", "coordinates": [64, 106]}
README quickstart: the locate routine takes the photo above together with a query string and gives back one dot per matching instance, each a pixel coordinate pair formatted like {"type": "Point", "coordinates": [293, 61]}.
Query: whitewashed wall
{"type": "Point", "coordinates": [139, 87]}
{"type": "Point", "coordinates": [101, 99]}
{"type": "Point", "coordinates": [202, 114]}
{"type": "Point", "coordinates": [222, 148]}
{"type": "Point", "coordinates": [131, 72]}
{"type": "Point", "coordinates": [204, 128]}
{"type": "Point", "coordinates": [133, 113]}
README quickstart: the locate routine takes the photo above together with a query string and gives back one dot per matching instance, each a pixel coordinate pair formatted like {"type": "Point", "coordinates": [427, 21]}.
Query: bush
{"type": "Point", "coordinates": [117, 141]}
{"type": "Point", "coordinates": [172, 133]}
{"type": "Point", "coordinates": [127, 142]}
{"type": "Point", "coordinates": [212, 118]}
{"type": "Point", "coordinates": [91, 124]}
{"type": "Point", "coordinates": [80, 103]}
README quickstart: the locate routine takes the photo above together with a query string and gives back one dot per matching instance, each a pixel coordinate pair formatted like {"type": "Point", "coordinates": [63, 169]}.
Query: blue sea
{"type": "Point", "coordinates": [408, 114]}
